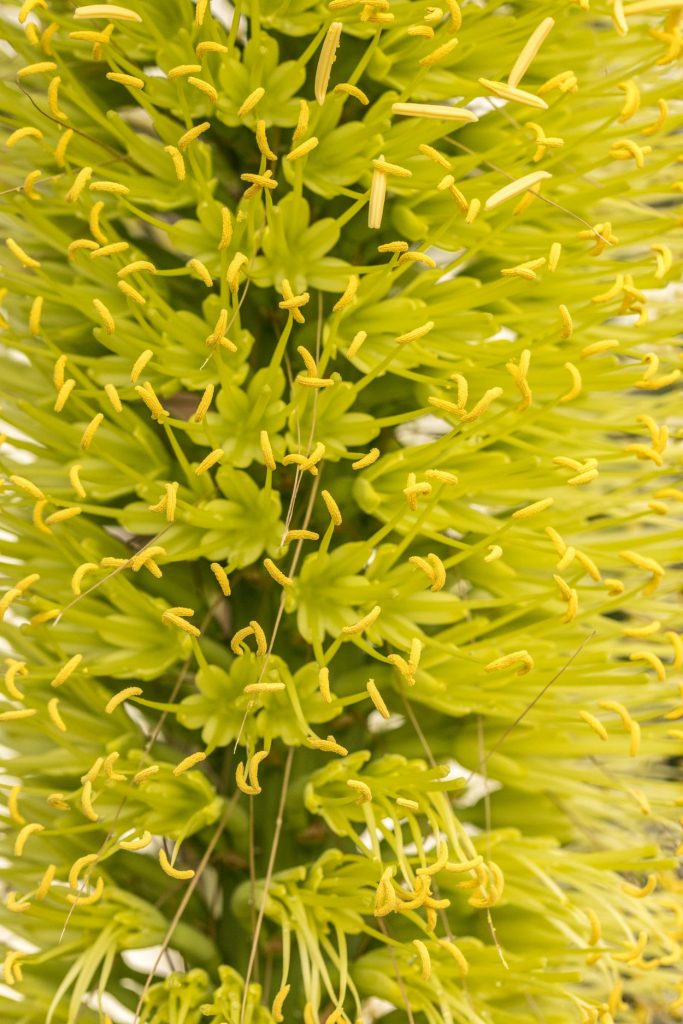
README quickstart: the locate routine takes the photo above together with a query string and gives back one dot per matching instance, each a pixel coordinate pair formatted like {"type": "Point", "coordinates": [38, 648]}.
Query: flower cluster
{"type": "Point", "coordinates": [343, 659]}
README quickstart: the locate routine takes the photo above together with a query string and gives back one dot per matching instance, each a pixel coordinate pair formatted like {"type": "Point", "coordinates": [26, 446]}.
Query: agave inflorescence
{"type": "Point", "coordinates": [340, 512]}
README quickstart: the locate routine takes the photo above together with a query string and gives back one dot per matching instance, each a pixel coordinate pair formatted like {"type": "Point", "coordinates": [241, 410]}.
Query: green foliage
{"type": "Point", "coordinates": [261, 475]}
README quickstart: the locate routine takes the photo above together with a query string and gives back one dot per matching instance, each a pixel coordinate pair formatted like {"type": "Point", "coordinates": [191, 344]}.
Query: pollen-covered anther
{"type": "Point", "coordinates": [15, 904]}
{"type": "Point", "coordinates": [392, 170]}
{"type": "Point", "coordinates": [375, 12]}
{"type": "Point", "coordinates": [631, 100]}
{"type": "Point", "coordinates": [435, 155]}
{"type": "Point", "coordinates": [316, 455]}
{"type": "Point", "coordinates": [237, 645]}
{"type": "Point", "coordinates": [647, 564]}
{"type": "Point", "coordinates": [204, 87]}
{"type": "Point", "coordinates": [492, 883]}
{"type": "Point", "coordinates": [265, 687]}
{"type": "Point", "coordinates": [534, 509]}
{"type": "Point", "coordinates": [415, 489]}
{"type": "Point", "coordinates": [258, 182]}
{"type": "Point", "coordinates": [362, 789]}
{"type": "Point", "coordinates": [303, 149]}
{"type": "Point", "coordinates": [137, 843]}
{"type": "Point", "coordinates": [521, 658]}
{"type": "Point", "coordinates": [358, 339]}
{"type": "Point", "coordinates": [79, 244]}
{"type": "Point", "coordinates": [121, 697]}
{"type": "Point", "coordinates": [308, 359]}
{"type": "Point", "coordinates": [318, 383]}
{"type": "Point", "coordinates": [278, 1003]}
{"type": "Point", "coordinates": [276, 573]}
{"type": "Point", "coordinates": [658, 383]}
{"type": "Point", "coordinates": [191, 761]}
{"type": "Point", "coordinates": [267, 450]}
{"type": "Point", "coordinates": [570, 596]}
{"type": "Point", "coordinates": [138, 561]}
{"type": "Point", "coordinates": [664, 258]}
{"type": "Point", "coordinates": [346, 88]}
{"type": "Point", "coordinates": [663, 106]}
{"type": "Point", "coordinates": [28, 187]}
{"type": "Point", "coordinates": [526, 271]}
{"type": "Point", "coordinates": [403, 666]}
{"type": "Point", "coordinates": [585, 477]}
{"type": "Point", "coordinates": [329, 745]}
{"type": "Point", "coordinates": [232, 276]}
{"type": "Point", "coordinates": [40, 68]}
{"type": "Point", "coordinates": [130, 81]}
{"type": "Point", "coordinates": [439, 54]}
{"type": "Point", "coordinates": [21, 255]}
{"type": "Point", "coordinates": [24, 835]}
{"type": "Point", "coordinates": [14, 668]}
{"type": "Point", "coordinates": [131, 293]}
{"type": "Point", "coordinates": [595, 724]}
{"type": "Point", "coordinates": [262, 141]}
{"type": "Point", "coordinates": [148, 395]}
{"type": "Point", "coordinates": [603, 236]}
{"type": "Point", "coordinates": [111, 249]}
{"type": "Point", "coordinates": [518, 372]}
{"type": "Point", "coordinates": [80, 573]}
{"type": "Point", "coordinates": [566, 559]}
{"type": "Point", "coordinates": [376, 698]}
{"type": "Point", "coordinates": [577, 383]}
{"type": "Point", "coordinates": [324, 684]}
{"type": "Point", "coordinates": [567, 328]}
{"type": "Point", "coordinates": [412, 805]}
{"type": "Point", "coordinates": [442, 476]}
{"type": "Point", "coordinates": [424, 959]}
{"type": "Point", "coordinates": [332, 508]}
{"type": "Point", "coordinates": [209, 461]}
{"type": "Point", "coordinates": [366, 460]}
{"type": "Point", "coordinates": [457, 955]}
{"type": "Point", "coordinates": [192, 134]}
{"type": "Point", "coordinates": [414, 256]}
{"type": "Point", "coordinates": [177, 617]}
{"type": "Point", "coordinates": [242, 784]}
{"type": "Point", "coordinates": [452, 408]}
{"type": "Point", "coordinates": [651, 659]}
{"type": "Point", "coordinates": [565, 81]}
{"type": "Point", "coordinates": [385, 895]}
{"type": "Point", "coordinates": [424, 566]}
{"type": "Point", "coordinates": [294, 303]}
{"type": "Point", "coordinates": [173, 872]}
{"type": "Point", "coordinates": [627, 149]}
{"type": "Point", "coordinates": [438, 572]}
{"type": "Point", "coordinates": [416, 334]}
{"type": "Point", "coordinates": [26, 132]}
{"type": "Point", "coordinates": [204, 404]}
{"type": "Point", "coordinates": [363, 623]}
{"type": "Point", "coordinates": [348, 294]}
{"type": "Point", "coordinates": [178, 161]}
{"type": "Point", "coordinates": [495, 552]}
{"type": "Point", "coordinates": [115, 188]}
{"type": "Point", "coordinates": [201, 271]}
{"type": "Point", "coordinates": [217, 336]}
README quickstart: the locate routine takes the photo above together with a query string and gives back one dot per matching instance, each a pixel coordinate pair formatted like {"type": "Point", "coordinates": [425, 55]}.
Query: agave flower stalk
{"type": "Point", "coordinates": [341, 512]}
